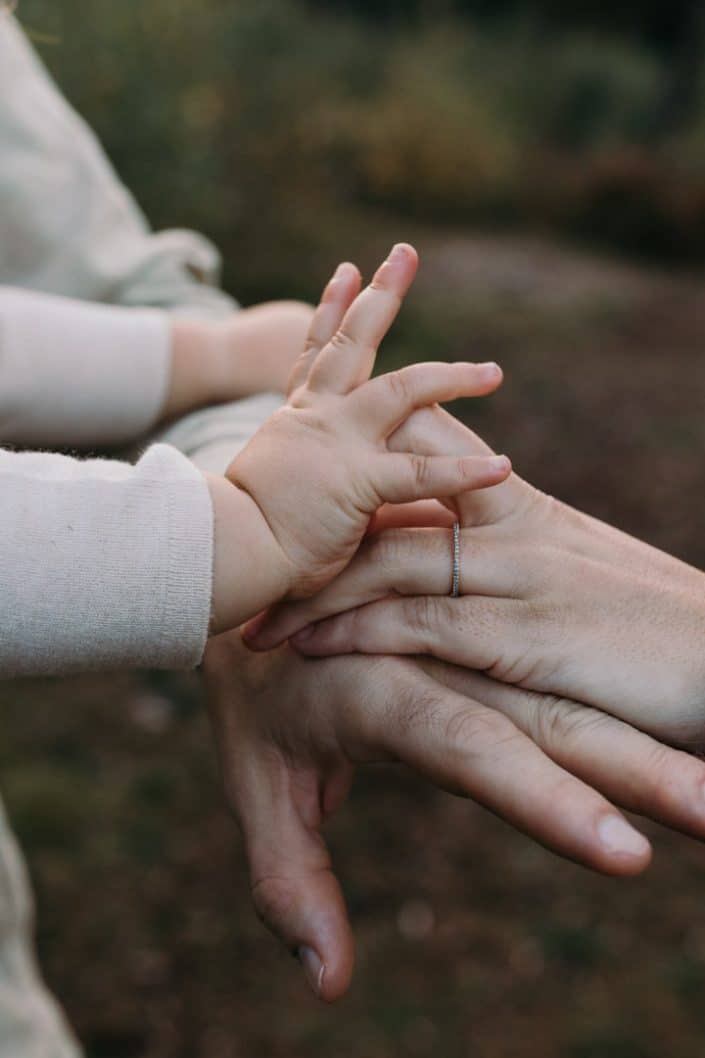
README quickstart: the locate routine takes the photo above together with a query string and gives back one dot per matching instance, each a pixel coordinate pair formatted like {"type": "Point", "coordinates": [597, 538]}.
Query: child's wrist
{"type": "Point", "coordinates": [250, 570]}
{"type": "Point", "coordinates": [198, 366]}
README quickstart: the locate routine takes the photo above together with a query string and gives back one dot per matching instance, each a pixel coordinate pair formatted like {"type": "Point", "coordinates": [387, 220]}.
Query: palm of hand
{"type": "Point", "coordinates": [338, 495]}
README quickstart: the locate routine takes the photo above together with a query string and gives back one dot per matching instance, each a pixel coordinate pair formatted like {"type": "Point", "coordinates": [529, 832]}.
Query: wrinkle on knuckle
{"type": "Point", "coordinates": [273, 897]}
{"type": "Point", "coordinates": [465, 470]}
{"type": "Point", "coordinates": [475, 730]}
{"type": "Point", "coordinates": [417, 708]}
{"type": "Point", "coordinates": [401, 386]}
{"type": "Point", "coordinates": [421, 472]}
{"type": "Point", "coordinates": [342, 340]}
{"type": "Point", "coordinates": [559, 724]}
{"type": "Point", "coordinates": [423, 613]}
{"type": "Point", "coordinates": [379, 286]}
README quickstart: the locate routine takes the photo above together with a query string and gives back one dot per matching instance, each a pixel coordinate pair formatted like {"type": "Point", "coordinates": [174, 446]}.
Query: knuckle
{"type": "Point", "coordinates": [478, 731]}
{"type": "Point", "coordinates": [558, 723]}
{"type": "Point", "coordinates": [423, 613]}
{"type": "Point", "coordinates": [417, 709]}
{"type": "Point", "coordinates": [342, 341]}
{"type": "Point", "coordinates": [273, 898]}
{"type": "Point", "coordinates": [465, 470]}
{"type": "Point", "coordinates": [401, 386]}
{"type": "Point", "coordinates": [379, 285]}
{"type": "Point", "coordinates": [421, 471]}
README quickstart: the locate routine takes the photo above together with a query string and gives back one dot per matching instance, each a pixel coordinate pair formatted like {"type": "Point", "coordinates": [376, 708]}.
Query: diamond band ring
{"type": "Point", "coordinates": [455, 585]}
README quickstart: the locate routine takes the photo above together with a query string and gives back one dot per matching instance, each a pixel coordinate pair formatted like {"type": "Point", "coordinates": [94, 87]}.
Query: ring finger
{"type": "Point", "coordinates": [402, 562]}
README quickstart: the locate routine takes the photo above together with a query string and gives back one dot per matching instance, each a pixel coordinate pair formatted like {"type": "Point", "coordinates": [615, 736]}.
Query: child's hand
{"type": "Point", "coordinates": [319, 469]}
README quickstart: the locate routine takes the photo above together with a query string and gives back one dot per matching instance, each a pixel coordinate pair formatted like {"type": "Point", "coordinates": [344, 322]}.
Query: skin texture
{"type": "Point", "coordinates": [296, 502]}
{"type": "Point", "coordinates": [290, 732]}
{"type": "Point", "coordinates": [553, 601]}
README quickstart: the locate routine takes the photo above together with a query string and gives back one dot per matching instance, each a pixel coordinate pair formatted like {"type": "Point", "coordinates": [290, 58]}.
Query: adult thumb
{"type": "Point", "coordinates": [296, 893]}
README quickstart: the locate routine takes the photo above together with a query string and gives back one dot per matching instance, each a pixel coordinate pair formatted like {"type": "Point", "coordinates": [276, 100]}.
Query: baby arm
{"type": "Point", "coordinates": [253, 351]}
{"type": "Point", "coordinates": [82, 375]}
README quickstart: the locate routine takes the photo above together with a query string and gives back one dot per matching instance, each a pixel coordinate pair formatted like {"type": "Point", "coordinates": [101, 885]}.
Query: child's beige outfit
{"type": "Point", "coordinates": [101, 563]}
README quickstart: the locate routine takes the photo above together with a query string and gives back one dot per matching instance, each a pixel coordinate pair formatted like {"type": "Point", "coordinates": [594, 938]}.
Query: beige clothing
{"type": "Point", "coordinates": [102, 564]}
{"type": "Point", "coordinates": [69, 227]}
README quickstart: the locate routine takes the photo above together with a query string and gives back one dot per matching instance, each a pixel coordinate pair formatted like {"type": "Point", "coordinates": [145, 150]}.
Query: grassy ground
{"type": "Point", "coordinates": [471, 939]}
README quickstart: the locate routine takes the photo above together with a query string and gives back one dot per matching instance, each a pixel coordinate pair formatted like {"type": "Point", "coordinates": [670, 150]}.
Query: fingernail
{"type": "Point", "coordinates": [252, 629]}
{"type": "Point", "coordinates": [303, 634]}
{"type": "Point", "coordinates": [618, 836]}
{"type": "Point", "coordinates": [398, 252]}
{"type": "Point", "coordinates": [500, 463]}
{"type": "Point", "coordinates": [342, 271]}
{"type": "Point", "coordinates": [490, 367]}
{"type": "Point", "coordinates": [313, 968]}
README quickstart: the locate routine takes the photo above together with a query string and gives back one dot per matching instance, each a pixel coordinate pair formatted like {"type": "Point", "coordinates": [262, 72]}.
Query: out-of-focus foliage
{"type": "Point", "coordinates": [269, 120]}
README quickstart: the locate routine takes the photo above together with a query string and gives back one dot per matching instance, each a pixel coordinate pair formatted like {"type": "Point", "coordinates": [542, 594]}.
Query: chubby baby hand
{"type": "Point", "coordinates": [319, 469]}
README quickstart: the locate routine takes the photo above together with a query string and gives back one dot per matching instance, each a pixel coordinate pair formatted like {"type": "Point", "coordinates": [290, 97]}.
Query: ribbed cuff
{"type": "Point", "coordinates": [103, 565]}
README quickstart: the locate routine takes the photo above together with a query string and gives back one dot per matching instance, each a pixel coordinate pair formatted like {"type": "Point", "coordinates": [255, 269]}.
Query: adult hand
{"type": "Point", "coordinates": [552, 599]}
{"type": "Point", "coordinates": [290, 731]}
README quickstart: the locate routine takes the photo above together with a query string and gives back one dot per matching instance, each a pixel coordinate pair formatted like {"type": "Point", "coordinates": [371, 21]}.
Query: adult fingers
{"type": "Point", "coordinates": [435, 432]}
{"type": "Point", "coordinates": [294, 889]}
{"type": "Point", "coordinates": [337, 297]}
{"type": "Point", "coordinates": [627, 766]}
{"type": "Point", "coordinates": [382, 404]}
{"type": "Point", "coordinates": [403, 562]}
{"type": "Point", "coordinates": [424, 514]}
{"type": "Point", "coordinates": [347, 360]}
{"type": "Point", "coordinates": [476, 752]}
{"type": "Point", "coordinates": [475, 631]}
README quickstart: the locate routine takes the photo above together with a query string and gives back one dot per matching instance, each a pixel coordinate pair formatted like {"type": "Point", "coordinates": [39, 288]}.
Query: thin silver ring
{"type": "Point", "coordinates": [455, 585]}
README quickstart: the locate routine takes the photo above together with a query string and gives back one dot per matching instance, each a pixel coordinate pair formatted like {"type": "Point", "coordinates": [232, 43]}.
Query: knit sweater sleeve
{"type": "Point", "coordinates": [103, 565]}
{"type": "Point", "coordinates": [73, 374]}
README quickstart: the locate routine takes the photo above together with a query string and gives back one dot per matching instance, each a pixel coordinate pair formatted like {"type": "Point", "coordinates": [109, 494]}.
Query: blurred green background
{"type": "Point", "coordinates": [549, 162]}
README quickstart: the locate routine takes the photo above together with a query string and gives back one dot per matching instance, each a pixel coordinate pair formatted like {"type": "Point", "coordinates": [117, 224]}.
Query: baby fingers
{"type": "Point", "coordinates": [381, 405]}
{"type": "Point", "coordinates": [348, 358]}
{"type": "Point", "coordinates": [403, 478]}
{"type": "Point", "coordinates": [337, 297]}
